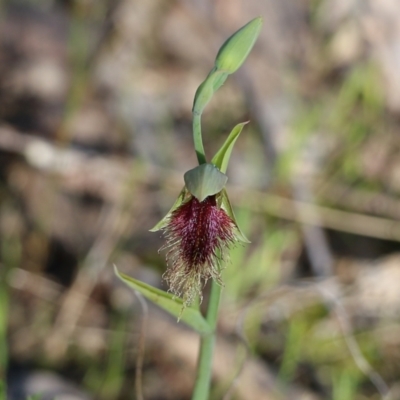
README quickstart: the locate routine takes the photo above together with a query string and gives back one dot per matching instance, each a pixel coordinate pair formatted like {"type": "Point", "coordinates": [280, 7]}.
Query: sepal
{"type": "Point", "coordinates": [205, 180]}
{"type": "Point", "coordinates": [164, 222]}
{"type": "Point", "coordinates": [225, 204]}
{"type": "Point", "coordinates": [221, 158]}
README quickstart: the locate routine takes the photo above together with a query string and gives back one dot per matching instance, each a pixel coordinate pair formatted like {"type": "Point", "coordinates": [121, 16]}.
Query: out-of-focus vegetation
{"type": "Point", "coordinates": [95, 135]}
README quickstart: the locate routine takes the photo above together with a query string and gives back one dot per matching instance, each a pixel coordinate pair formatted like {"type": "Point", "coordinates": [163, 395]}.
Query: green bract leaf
{"type": "Point", "coordinates": [205, 91]}
{"type": "Point", "coordinates": [174, 305]}
{"type": "Point", "coordinates": [221, 158]}
{"type": "Point", "coordinates": [226, 205]}
{"type": "Point", "coordinates": [205, 180]}
{"type": "Point", "coordinates": [236, 49]}
{"type": "Point", "coordinates": [219, 79]}
{"type": "Point", "coordinates": [178, 202]}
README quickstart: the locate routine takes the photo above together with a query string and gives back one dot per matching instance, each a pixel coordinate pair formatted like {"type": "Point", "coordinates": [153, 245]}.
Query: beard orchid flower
{"type": "Point", "coordinates": [199, 230]}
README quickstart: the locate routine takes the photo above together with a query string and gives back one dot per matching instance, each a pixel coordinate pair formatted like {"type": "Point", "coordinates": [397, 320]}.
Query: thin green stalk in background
{"type": "Point", "coordinates": [4, 310]}
{"type": "Point", "coordinates": [10, 256]}
{"type": "Point", "coordinates": [3, 336]}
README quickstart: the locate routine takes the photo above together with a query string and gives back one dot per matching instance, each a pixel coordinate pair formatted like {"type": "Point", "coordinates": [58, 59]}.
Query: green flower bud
{"type": "Point", "coordinates": [205, 180]}
{"type": "Point", "coordinates": [236, 49]}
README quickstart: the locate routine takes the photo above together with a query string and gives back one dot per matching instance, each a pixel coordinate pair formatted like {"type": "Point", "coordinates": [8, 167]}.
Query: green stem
{"type": "Point", "coordinates": [3, 334]}
{"type": "Point", "coordinates": [204, 366]}
{"type": "Point", "coordinates": [197, 138]}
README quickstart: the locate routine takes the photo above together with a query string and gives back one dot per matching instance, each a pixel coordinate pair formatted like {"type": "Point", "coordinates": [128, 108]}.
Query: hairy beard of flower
{"type": "Point", "coordinates": [198, 236]}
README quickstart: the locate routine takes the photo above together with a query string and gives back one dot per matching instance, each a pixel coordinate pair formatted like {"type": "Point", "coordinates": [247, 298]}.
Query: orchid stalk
{"type": "Point", "coordinates": [201, 226]}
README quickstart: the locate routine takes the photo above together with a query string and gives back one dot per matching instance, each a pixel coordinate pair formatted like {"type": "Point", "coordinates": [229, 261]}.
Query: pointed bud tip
{"type": "Point", "coordinates": [235, 50]}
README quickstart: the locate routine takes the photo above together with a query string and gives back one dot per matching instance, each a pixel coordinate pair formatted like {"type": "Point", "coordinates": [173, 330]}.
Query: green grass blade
{"type": "Point", "coordinates": [174, 305]}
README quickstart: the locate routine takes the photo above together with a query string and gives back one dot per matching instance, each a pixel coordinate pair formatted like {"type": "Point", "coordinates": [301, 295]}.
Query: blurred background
{"type": "Point", "coordinates": [95, 136]}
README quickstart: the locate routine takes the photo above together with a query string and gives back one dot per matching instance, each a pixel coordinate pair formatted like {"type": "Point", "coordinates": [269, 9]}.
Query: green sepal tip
{"type": "Point", "coordinates": [225, 204]}
{"type": "Point", "coordinates": [164, 222]}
